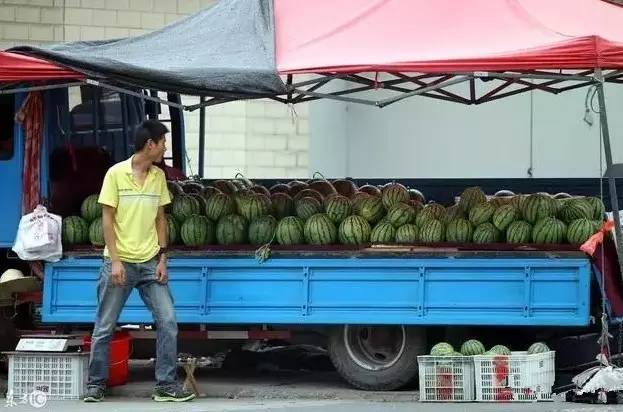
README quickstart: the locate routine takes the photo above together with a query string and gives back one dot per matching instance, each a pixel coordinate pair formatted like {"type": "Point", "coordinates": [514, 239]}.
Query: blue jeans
{"type": "Point", "coordinates": [112, 298]}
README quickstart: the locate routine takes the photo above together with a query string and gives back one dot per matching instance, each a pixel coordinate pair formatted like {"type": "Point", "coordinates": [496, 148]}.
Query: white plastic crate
{"type": "Point", "coordinates": [60, 376]}
{"type": "Point", "coordinates": [516, 378]}
{"type": "Point", "coordinates": [446, 378]}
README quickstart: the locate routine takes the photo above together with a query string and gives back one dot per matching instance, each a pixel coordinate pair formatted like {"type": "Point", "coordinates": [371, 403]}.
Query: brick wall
{"type": "Point", "coordinates": [260, 139]}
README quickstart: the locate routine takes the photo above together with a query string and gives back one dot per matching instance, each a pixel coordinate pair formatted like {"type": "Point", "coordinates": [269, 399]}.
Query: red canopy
{"type": "Point", "coordinates": [19, 68]}
{"type": "Point", "coordinates": [447, 35]}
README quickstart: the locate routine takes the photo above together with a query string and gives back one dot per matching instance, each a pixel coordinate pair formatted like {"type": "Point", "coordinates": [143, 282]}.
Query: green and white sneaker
{"type": "Point", "coordinates": [172, 395]}
{"type": "Point", "coordinates": [94, 394]}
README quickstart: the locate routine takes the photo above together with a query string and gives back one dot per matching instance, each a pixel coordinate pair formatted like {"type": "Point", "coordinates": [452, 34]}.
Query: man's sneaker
{"type": "Point", "coordinates": [172, 395]}
{"type": "Point", "coordinates": [94, 394]}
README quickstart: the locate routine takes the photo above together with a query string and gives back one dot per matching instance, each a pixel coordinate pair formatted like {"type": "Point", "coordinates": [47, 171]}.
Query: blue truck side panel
{"type": "Point", "coordinates": [416, 291]}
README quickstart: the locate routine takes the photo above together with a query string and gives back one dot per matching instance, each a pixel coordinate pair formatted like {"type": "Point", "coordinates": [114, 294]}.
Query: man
{"type": "Point", "coordinates": [133, 195]}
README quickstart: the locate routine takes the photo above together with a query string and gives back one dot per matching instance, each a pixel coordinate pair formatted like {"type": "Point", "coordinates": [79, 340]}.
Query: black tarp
{"type": "Point", "coordinates": [227, 50]}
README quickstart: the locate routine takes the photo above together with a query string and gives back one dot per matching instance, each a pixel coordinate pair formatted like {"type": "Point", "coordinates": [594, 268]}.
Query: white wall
{"type": "Point", "coordinates": [427, 138]}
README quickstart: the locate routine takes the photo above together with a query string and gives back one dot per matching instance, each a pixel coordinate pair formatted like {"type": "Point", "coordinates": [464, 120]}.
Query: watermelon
{"type": "Point", "coordinates": [580, 230]}
{"type": "Point", "coordinates": [504, 216]}
{"type": "Point", "coordinates": [598, 207]}
{"type": "Point", "coordinates": [201, 201]}
{"type": "Point", "coordinates": [432, 231]}
{"type": "Point", "coordinates": [471, 197]}
{"type": "Point", "coordinates": [338, 208]}
{"type": "Point", "coordinates": [538, 347]}
{"type": "Point", "coordinates": [262, 230]}
{"type": "Point", "coordinates": [279, 188]}
{"type": "Point", "coordinates": [225, 186]}
{"type": "Point", "coordinates": [306, 207]}
{"type": "Point", "coordinates": [357, 201]}
{"type": "Point", "coordinates": [290, 231]}
{"type": "Point", "coordinates": [175, 188]}
{"type": "Point", "coordinates": [518, 202]}
{"type": "Point", "coordinates": [319, 229]}
{"type": "Point", "coordinates": [408, 233]}
{"type": "Point", "coordinates": [432, 211]}
{"type": "Point", "coordinates": [209, 191]}
{"type": "Point", "coordinates": [259, 189]}
{"type": "Point", "coordinates": [231, 230]}
{"type": "Point", "coordinates": [197, 231]}
{"type": "Point", "coordinates": [472, 347]}
{"type": "Point", "coordinates": [453, 212]}
{"type": "Point", "coordinates": [372, 209]}
{"type": "Point", "coordinates": [442, 349]}
{"type": "Point", "coordinates": [282, 205]}
{"type": "Point", "coordinates": [173, 230]}
{"type": "Point", "coordinates": [486, 233]}
{"type": "Point", "coordinates": [183, 207]}
{"type": "Point", "coordinates": [90, 208]}
{"type": "Point", "coordinates": [574, 209]}
{"type": "Point", "coordinates": [192, 187]}
{"type": "Point", "coordinates": [549, 230]}
{"type": "Point", "coordinates": [75, 231]}
{"type": "Point", "coordinates": [371, 190]}
{"type": "Point", "coordinates": [96, 232]}
{"type": "Point", "coordinates": [401, 214]}
{"type": "Point", "coordinates": [345, 187]}
{"type": "Point", "coordinates": [415, 194]}
{"type": "Point", "coordinates": [394, 193]}
{"type": "Point", "coordinates": [383, 233]}
{"type": "Point", "coordinates": [308, 193]}
{"type": "Point", "coordinates": [354, 230]}
{"type": "Point", "coordinates": [519, 232]}
{"type": "Point", "coordinates": [219, 205]}
{"type": "Point", "coordinates": [538, 206]}
{"type": "Point", "coordinates": [481, 213]}
{"type": "Point", "coordinates": [497, 202]}
{"type": "Point", "coordinates": [254, 206]}
{"type": "Point", "coordinates": [324, 187]}
{"type": "Point", "coordinates": [295, 187]}
{"type": "Point", "coordinates": [459, 231]}
{"type": "Point", "coordinates": [500, 350]}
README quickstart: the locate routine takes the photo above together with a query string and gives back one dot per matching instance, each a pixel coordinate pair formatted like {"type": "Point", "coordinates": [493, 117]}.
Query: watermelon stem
{"type": "Point", "coordinates": [263, 252]}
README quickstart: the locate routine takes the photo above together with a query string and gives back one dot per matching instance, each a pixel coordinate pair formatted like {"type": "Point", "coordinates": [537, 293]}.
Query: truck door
{"type": "Point", "coordinates": [11, 165]}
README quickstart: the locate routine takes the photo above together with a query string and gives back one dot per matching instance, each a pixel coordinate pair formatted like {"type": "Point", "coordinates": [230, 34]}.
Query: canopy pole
{"type": "Point", "coordinates": [614, 199]}
{"type": "Point", "coordinates": [202, 130]}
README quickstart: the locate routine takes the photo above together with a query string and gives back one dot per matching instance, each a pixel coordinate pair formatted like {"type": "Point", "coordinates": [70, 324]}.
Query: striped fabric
{"type": "Point", "coordinates": [30, 116]}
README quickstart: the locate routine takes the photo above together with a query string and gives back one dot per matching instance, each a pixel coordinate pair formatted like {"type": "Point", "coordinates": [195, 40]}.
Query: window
{"type": "Point", "coordinates": [7, 126]}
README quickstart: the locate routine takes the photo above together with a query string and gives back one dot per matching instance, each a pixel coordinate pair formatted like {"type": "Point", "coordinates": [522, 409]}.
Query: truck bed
{"type": "Point", "coordinates": [373, 285]}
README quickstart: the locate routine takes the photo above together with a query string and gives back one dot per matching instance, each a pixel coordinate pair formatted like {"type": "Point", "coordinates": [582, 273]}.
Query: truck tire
{"type": "Point", "coordinates": [377, 358]}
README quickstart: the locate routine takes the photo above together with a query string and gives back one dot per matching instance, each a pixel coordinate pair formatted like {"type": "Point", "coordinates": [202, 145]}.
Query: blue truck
{"type": "Point", "coordinates": [378, 308]}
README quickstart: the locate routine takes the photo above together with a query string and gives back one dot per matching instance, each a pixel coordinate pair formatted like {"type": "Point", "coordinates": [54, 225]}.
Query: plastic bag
{"type": "Point", "coordinates": [39, 236]}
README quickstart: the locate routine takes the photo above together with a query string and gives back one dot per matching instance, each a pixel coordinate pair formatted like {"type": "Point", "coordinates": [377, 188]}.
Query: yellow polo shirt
{"type": "Point", "coordinates": [137, 208]}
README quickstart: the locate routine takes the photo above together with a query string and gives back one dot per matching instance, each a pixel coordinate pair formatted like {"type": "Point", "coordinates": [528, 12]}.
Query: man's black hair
{"type": "Point", "coordinates": [149, 129]}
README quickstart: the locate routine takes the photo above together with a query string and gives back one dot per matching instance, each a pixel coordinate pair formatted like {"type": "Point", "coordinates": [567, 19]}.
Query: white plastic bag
{"type": "Point", "coordinates": [39, 236]}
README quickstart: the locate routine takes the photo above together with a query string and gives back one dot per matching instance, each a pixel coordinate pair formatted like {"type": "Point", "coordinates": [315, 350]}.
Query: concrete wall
{"type": "Point", "coordinates": [257, 138]}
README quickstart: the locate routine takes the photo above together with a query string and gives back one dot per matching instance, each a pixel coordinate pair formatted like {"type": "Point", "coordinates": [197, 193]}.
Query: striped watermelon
{"type": "Point", "coordinates": [486, 233]}
{"type": "Point", "coordinates": [173, 230]}
{"type": "Point", "coordinates": [96, 232]}
{"type": "Point", "coordinates": [308, 193]}
{"type": "Point", "coordinates": [519, 232]}
{"type": "Point", "coordinates": [538, 206]}
{"type": "Point", "coordinates": [219, 205]}
{"type": "Point", "coordinates": [197, 231]}
{"type": "Point", "coordinates": [432, 231]}
{"type": "Point", "coordinates": [504, 216]}
{"type": "Point", "coordinates": [174, 188]}
{"type": "Point", "coordinates": [442, 349]}
{"type": "Point", "coordinates": [254, 206]}
{"type": "Point", "coordinates": [500, 350]}
{"type": "Point", "coordinates": [290, 231]}
{"type": "Point", "coordinates": [279, 188]}
{"type": "Point", "coordinates": [90, 209]}
{"type": "Point", "coordinates": [394, 193]}
{"type": "Point", "coordinates": [338, 208]}
{"type": "Point", "coordinates": [319, 229]}
{"type": "Point", "coordinates": [282, 205]}
{"type": "Point", "coordinates": [372, 209]}
{"type": "Point", "coordinates": [575, 209]}
{"type": "Point", "coordinates": [323, 186]}
{"type": "Point", "coordinates": [518, 202]}
{"type": "Point", "coordinates": [383, 233]}
{"type": "Point", "coordinates": [454, 212]}
{"type": "Point", "coordinates": [538, 347]}
{"type": "Point", "coordinates": [75, 231]}
{"type": "Point", "coordinates": [357, 201]}
{"type": "Point", "coordinates": [201, 201]}
{"type": "Point", "coordinates": [471, 197]}
{"type": "Point", "coordinates": [345, 187]}
{"type": "Point", "coordinates": [183, 207]}
{"type": "Point", "coordinates": [432, 211]}
{"type": "Point", "coordinates": [472, 347]}
{"type": "Point", "coordinates": [580, 230]}
{"type": "Point", "coordinates": [481, 213]}
{"type": "Point", "coordinates": [209, 191]}
{"type": "Point", "coordinates": [459, 231]}
{"type": "Point", "coordinates": [401, 214]}
{"type": "Point", "coordinates": [307, 207]}
{"type": "Point", "coordinates": [231, 230]}
{"type": "Point", "coordinates": [371, 190]}
{"type": "Point", "coordinates": [262, 230]}
{"type": "Point", "coordinates": [354, 230]}
{"type": "Point", "coordinates": [497, 202]}
{"type": "Point", "coordinates": [408, 233]}
{"type": "Point", "coordinates": [549, 230]}
{"type": "Point", "coordinates": [415, 194]}
{"type": "Point", "coordinates": [597, 205]}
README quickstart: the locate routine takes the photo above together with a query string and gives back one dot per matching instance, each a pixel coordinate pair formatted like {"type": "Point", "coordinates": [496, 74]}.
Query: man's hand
{"type": "Point", "coordinates": [118, 273]}
{"type": "Point", "coordinates": [161, 270]}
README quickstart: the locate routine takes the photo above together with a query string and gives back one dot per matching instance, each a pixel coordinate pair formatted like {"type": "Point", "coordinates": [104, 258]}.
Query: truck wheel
{"type": "Point", "coordinates": [377, 358]}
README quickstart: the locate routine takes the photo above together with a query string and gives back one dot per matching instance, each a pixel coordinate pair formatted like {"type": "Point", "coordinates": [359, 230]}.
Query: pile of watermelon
{"type": "Point", "coordinates": [474, 347]}
{"type": "Point", "coordinates": [323, 212]}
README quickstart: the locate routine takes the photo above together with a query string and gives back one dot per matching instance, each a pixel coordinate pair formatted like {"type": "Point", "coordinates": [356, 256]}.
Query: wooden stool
{"type": "Point", "coordinates": [189, 364]}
